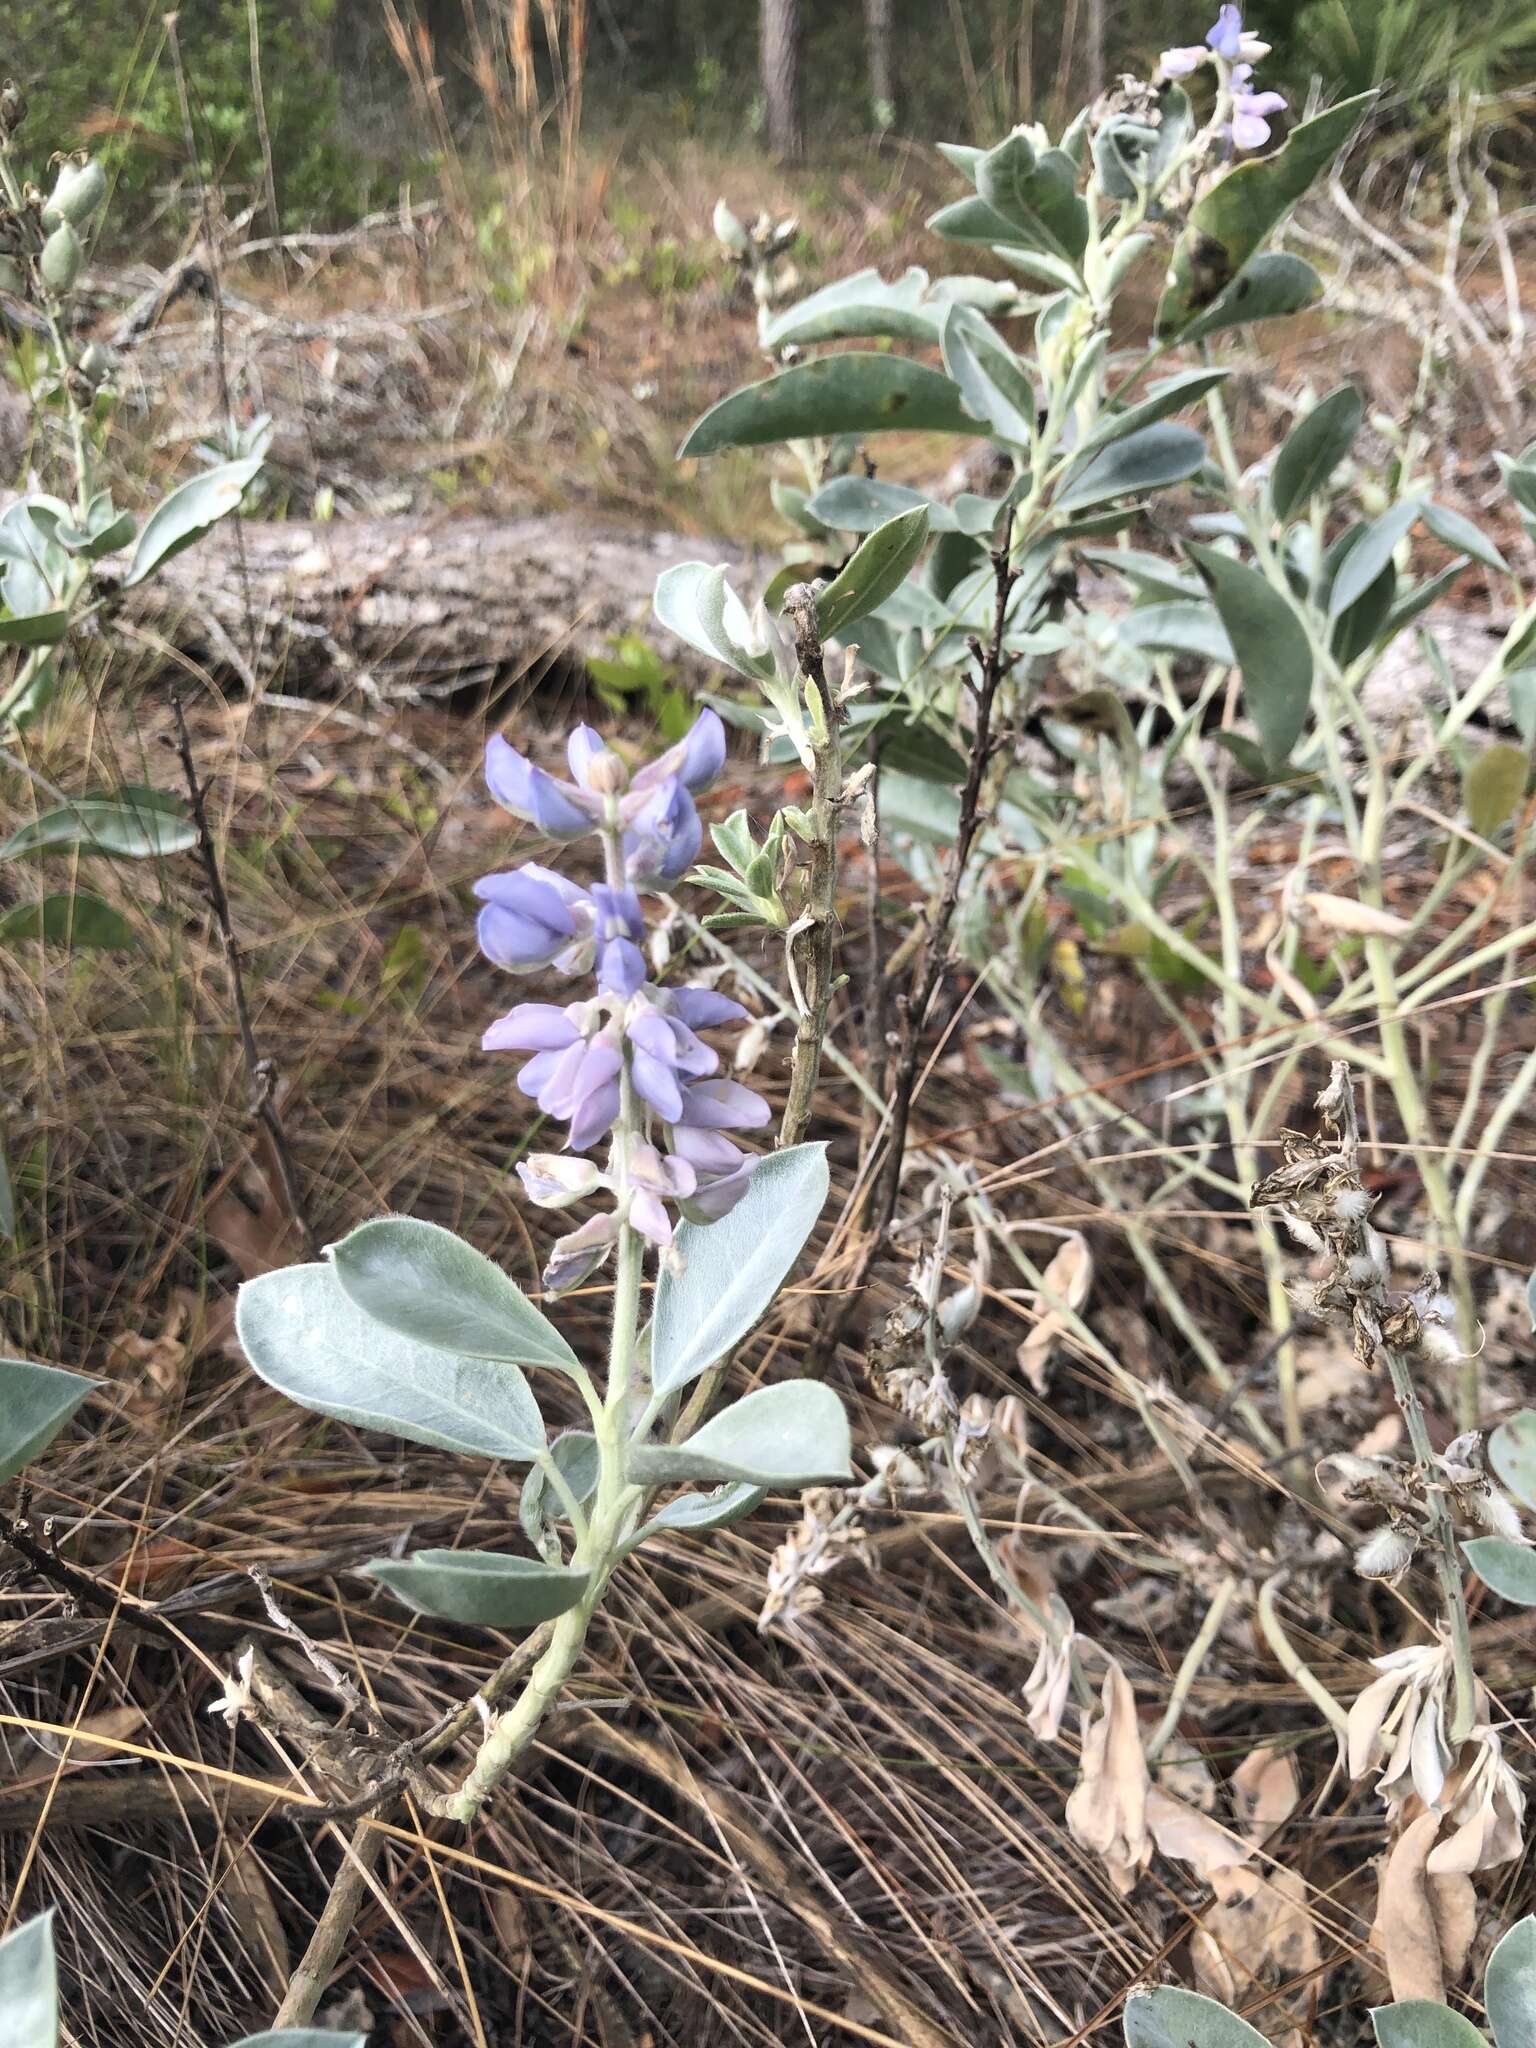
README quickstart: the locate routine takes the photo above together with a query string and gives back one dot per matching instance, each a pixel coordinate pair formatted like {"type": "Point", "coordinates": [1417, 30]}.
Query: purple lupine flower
{"type": "Point", "coordinates": [582, 1054]}
{"type": "Point", "coordinates": [557, 810]}
{"type": "Point", "coordinates": [1250, 128]}
{"type": "Point", "coordinates": [723, 1106]}
{"type": "Point", "coordinates": [1226, 34]}
{"type": "Point", "coordinates": [533, 916]}
{"type": "Point", "coordinates": [663, 840]}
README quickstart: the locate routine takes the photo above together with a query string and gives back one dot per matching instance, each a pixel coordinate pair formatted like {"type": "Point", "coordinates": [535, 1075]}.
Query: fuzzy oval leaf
{"type": "Point", "coordinates": [876, 568]}
{"type": "Point", "coordinates": [304, 1337]}
{"type": "Point", "coordinates": [1493, 785]}
{"type": "Point", "coordinates": [991, 378]}
{"type": "Point", "coordinates": [1237, 214]}
{"type": "Point", "coordinates": [1509, 1987]}
{"type": "Point", "coordinates": [1371, 555]}
{"type": "Point", "coordinates": [35, 1403]}
{"type": "Point", "coordinates": [105, 825]}
{"type": "Point", "coordinates": [1509, 1568]}
{"type": "Point", "coordinates": [303, 2037]}
{"type": "Point", "coordinates": [861, 307]}
{"type": "Point", "coordinates": [1268, 287]}
{"type": "Point", "coordinates": [852, 393]}
{"type": "Point", "coordinates": [725, 1274]}
{"type": "Point", "coordinates": [1147, 461]}
{"type": "Point", "coordinates": [1455, 531]}
{"type": "Point", "coordinates": [1422, 2023]}
{"type": "Point", "coordinates": [1170, 2018]}
{"type": "Point", "coordinates": [1512, 1447]}
{"type": "Point", "coordinates": [187, 514]}
{"type": "Point", "coordinates": [34, 629]}
{"type": "Point", "coordinates": [792, 1434]}
{"type": "Point", "coordinates": [858, 504]}
{"type": "Point", "coordinates": [1178, 628]}
{"type": "Point", "coordinates": [696, 1512]}
{"type": "Point", "coordinates": [1314, 448]}
{"type": "Point", "coordinates": [1036, 196]}
{"type": "Point", "coordinates": [1165, 397]}
{"type": "Point", "coordinates": [579, 1461]}
{"type": "Point", "coordinates": [29, 1985]}
{"type": "Point", "coordinates": [1271, 646]}
{"type": "Point", "coordinates": [695, 601]}
{"type": "Point", "coordinates": [488, 1587]}
{"type": "Point", "coordinates": [424, 1282]}
{"type": "Point", "coordinates": [70, 917]}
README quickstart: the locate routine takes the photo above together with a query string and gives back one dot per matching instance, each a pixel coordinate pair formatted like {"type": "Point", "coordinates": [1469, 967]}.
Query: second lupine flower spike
{"type": "Point", "coordinates": [625, 1063]}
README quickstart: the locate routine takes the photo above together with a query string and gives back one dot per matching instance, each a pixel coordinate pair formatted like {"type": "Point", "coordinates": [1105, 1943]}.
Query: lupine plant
{"type": "Point", "coordinates": [29, 1998]}
{"type": "Point", "coordinates": [1094, 682]}
{"type": "Point", "coordinates": [63, 561]}
{"type": "Point", "coordinates": [405, 1327]}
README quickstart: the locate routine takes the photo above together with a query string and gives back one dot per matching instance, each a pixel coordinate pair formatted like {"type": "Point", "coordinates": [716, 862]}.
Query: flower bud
{"type": "Point", "coordinates": [1385, 1554]}
{"type": "Point", "coordinates": [1496, 1511]}
{"type": "Point", "coordinates": [554, 1180]}
{"type": "Point", "coordinates": [62, 259]}
{"type": "Point", "coordinates": [78, 190]}
{"type": "Point", "coordinates": [729, 232]}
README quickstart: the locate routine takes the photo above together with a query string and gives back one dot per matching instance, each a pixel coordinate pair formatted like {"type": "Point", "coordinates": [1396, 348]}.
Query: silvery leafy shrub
{"type": "Point", "coordinates": [404, 1327]}
{"type": "Point", "coordinates": [1171, 2018]}
{"type": "Point", "coordinates": [63, 561]}
{"type": "Point", "coordinates": [29, 1998]}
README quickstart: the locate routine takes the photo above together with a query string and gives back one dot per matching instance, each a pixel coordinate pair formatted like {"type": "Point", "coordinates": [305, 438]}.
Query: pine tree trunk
{"type": "Point", "coordinates": [1096, 65]}
{"type": "Point", "coordinates": [882, 87]}
{"type": "Point", "coordinates": [781, 76]}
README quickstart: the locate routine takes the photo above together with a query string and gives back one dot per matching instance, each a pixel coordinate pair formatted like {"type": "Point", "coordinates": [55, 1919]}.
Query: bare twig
{"type": "Point", "coordinates": [260, 1073]}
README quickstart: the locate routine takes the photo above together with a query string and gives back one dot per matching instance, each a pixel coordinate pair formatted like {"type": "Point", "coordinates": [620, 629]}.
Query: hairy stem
{"type": "Point", "coordinates": [811, 944]}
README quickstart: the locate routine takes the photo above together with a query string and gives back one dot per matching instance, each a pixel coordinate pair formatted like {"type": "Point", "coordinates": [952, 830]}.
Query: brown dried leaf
{"type": "Point", "coordinates": [1265, 1792]}
{"type": "Point", "coordinates": [1256, 1934]}
{"type": "Point", "coordinates": [1405, 1930]}
{"type": "Point", "coordinates": [1107, 1811]}
{"type": "Point", "coordinates": [1361, 920]}
{"type": "Point", "coordinates": [1068, 1278]}
{"type": "Point", "coordinates": [1192, 1837]}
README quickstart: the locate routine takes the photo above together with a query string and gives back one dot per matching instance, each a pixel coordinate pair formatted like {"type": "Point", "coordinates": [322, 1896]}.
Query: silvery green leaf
{"type": "Point", "coordinates": [1509, 1987]}
{"type": "Point", "coordinates": [576, 1454]}
{"type": "Point", "coordinates": [696, 1512]}
{"type": "Point", "coordinates": [863, 306]}
{"type": "Point", "coordinates": [1168, 395]}
{"type": "Point", "coordinates": [1422, 2023]}
{"type": "Point", "coordinates": [1314, 448]}
{"type": "Point", "coordinates": [1268, 287]}
{"type": "Point", "coordinates": [1036, 195]}
{"type": "Point", "coordinates": [1455, 531]}
{"type": "Point", "coordinates": [29, 1987]}
{"type": "Point", "coordinates": [1271, 646]}
{"type": "Point", "coordinates": [1512, 1447]}
{"type": "Point", "coordinates": [128, 824]}
{"type": "Point", "coordinates": [304, 1337]}
{"type": "Point", "coordinates": [1151, 574]}
{"type": "Point", "coordinates": [791, 1434]}
{"type": "Point", "coordinates": [990, 376]}
{"type": "Point", "coordinates": [850, 393]}
{"type": "Point", "coordinates": [484, 1586]}
{"type": "Point", "coordinates": [1509, 1568]}
{"type": "Point", "coordinates": [1178, 628]}
{"type": "Point", "coordinates": [35, 1403]}
{"type": "Point", "coordinates": [424, 1282]}
{"type": "Point", "coordinates": [858, 504]}
{"type": "Point", "coordinates": [1371, 555]}
{"type": "Point", "coordinates": [1171, 2018]}
{"type": "Point", "coordinates": [33, 629]}
{"type": "Point", "coordinates": [876, 568]}
{"type": "Point", "coordinates": [303, 2037]}
{"type": "Point", "coordinates": [1147, 461]}
{"type": "Point", "coordinates": [724, 1275]}
{"type": "Point", "coordinates": [694, 600]}
{"type": "Point", "coordinates": [69, 917]}
{"type": "Point", "coordinates": [187, 514]}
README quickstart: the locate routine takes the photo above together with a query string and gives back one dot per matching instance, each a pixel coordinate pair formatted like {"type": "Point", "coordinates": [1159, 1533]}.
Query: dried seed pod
{"type": "Point", "coordinates": [1386, 1554]}
{"type": "Point", "coordinates": [62, 259]}
{"type": "Point", "coordinates": [77, 192]}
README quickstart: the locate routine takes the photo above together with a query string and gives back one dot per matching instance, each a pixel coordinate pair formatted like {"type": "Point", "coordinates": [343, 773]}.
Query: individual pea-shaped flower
{"type": "Point", "coordinates": [654, 1181]}
{"type": "Point", "coordinates": [1225, 35]}
{"type": "Point", "coordinates": [721, 1170]}
{"type": "Point", "coordinates": [618, 927]}
{"type": "Point", "coordinates": [574, 1257]}
{"type": "Point", "coordinates": [570, 810]}
{"type": "Point", "coordinates": [665, 1056]}
{"type": "Point", "coordinates": [1250, 111]}
{"type": "Point", "coordinates": [663, 842]}
{"type": "Point", "coordinates": [533, 917]}
{"type": "Point", "coordinates": [553, 1180]}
